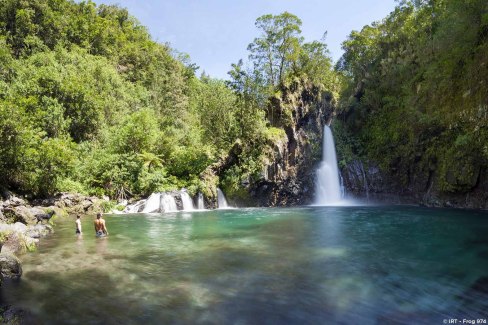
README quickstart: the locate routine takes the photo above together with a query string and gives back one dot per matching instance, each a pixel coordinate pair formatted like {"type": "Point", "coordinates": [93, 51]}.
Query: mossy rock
{"type": "Point", "coordinates": [10, 266]}
{"type": "Point", "coordinates": [17, 243]}
{"type": "Point", "coordinates": [458, 173]}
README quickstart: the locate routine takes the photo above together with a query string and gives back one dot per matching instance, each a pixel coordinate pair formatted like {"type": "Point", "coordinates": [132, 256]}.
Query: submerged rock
{"type": "Point", "coordinates": [475, 298]}
{"type": "Point", "coordinates": [13, 315]}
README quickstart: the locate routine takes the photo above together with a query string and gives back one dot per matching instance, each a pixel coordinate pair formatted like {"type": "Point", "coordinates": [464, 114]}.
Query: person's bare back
{"type": "Point", "coordinates": [100, 227]}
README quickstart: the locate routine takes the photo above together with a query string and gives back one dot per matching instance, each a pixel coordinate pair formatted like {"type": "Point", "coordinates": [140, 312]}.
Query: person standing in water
{"type": "Point", "coordinates": [100, 228]}
{"type": "Point", "coordinates": [78, 225]}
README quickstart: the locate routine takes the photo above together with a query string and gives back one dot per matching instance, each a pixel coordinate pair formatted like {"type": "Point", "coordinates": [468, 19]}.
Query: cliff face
{"type": "Point", "coordinates": [418, 186]}
{"type": "Point", "coordinates": [287, 178]}
{"type": "Point", "coordinates": [286, 171]}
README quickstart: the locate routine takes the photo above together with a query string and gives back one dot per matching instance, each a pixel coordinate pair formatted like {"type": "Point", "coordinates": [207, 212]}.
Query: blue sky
{"type": "Point", "coordinates": [215, 33]}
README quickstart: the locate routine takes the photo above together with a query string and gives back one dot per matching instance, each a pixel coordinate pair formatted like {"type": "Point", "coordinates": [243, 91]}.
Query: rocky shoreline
{"type": "Point", "coordinates": [20, 232]}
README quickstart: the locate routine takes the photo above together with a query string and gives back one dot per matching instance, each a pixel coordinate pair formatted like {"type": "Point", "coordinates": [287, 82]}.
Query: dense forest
{"type": "Point", "coordinates": [416, 101]}
{"type": "Point", "coordinates": [89, 103]}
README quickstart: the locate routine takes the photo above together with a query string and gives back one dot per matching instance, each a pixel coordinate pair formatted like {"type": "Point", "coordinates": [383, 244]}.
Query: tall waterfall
{"type": "Point", "coordinates": [328, 189]}
{"type": "Point", "coordinates": [152, 203]}
{"type": "Point", "coordinates": [187, 201]}
{"type": "Point", "coordinates": [200, 205]}
{"type": "Point", "coordinates": [221, 201]}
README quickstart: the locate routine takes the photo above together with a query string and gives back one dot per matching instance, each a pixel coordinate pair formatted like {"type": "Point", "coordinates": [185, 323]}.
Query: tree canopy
{"type": "Point", "coordinates": [90, 103]}
{"type": "Point", "coordinates": [417, 92]}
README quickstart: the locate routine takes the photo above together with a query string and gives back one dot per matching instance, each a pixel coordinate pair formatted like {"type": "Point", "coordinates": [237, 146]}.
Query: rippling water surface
{"type": "Point", "coordinates": [312, 265]}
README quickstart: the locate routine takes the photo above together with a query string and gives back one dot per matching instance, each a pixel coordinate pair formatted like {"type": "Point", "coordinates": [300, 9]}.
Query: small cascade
{"type": "Point", "coordinates": [187, 201]}
{"type": "Point", "coordinates": [200, 205]}
{"type": "Point", "coordinates": [152, 203]}
{"type": "Point", "coordinates": [168, 203]}
{"type": "Point", "coordinates": [328, 189]}
{"type": "Point", "coordinates": [221, 201]}
{"type": "Point", "coordinates": [135, 208]}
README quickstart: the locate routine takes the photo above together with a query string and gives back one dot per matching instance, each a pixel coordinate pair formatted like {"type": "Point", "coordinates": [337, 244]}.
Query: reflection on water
{"type": "Point", "coordinates": [311, 265]}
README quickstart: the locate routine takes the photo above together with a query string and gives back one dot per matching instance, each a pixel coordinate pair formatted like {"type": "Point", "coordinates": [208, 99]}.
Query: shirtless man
{"type": "Point", "coordinates": [100, 228]}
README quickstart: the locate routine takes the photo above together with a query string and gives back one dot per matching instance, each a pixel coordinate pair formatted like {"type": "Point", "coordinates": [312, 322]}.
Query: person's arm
{"type": "Point", "coordinates": [95, 224]}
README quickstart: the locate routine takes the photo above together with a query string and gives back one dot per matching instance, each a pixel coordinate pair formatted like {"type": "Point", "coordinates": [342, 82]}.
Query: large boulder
{"type": "Point", "coordinates": [10, 267]}
{"type": "Point", "coordinates": [75, 204]}
{"type": "Point", "coordinates": [18, 243]}
{"type": "Point", "coordinates": [21, 214]}
{"type": "Point", "coordinates": [38, 231]}
{"type": "Point", "coordinates": [37, 210]}
{"type": "Point", "coordinates": [18, 227]}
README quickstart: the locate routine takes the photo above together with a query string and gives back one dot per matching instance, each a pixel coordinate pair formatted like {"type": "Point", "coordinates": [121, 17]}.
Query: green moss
{"type": "Point", "coordinates": [4, 236]}
{"type": "Point", "coordinates": [232, 185]}
{"type": "Point", "coordinates": [275, 134]}
{"type": "Point", "coordinates": [60, 212]}
{"type": "Point", "coordinates": [458, 172]}
{"type": "Point", "coordinates": [347, 144]}
{"type": "Point", "coordinates": [31, 247]}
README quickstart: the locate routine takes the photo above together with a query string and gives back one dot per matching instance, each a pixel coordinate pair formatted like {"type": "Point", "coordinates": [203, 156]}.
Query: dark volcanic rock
{"type": "Point", "coordinates": [420, 186]}
{"type": "Point", "coordinates": [288, 172]}
{"type": "Point", "coordinates": [288, 177]}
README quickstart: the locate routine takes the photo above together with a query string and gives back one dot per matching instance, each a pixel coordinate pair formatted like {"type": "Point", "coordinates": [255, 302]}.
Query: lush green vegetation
{"type": "Point", "coordinates": [90, 104]}
{"type": "Point", "coordinates": [416, 101]}
{"type": "Point", "coordinates": [281, 64]}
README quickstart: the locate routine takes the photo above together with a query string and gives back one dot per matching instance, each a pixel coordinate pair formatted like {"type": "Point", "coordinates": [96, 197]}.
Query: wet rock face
{"type": "Point", "coordinates": [74, 203]}
{"type": "Point", "coordinates": [368, 181]}
{"type": "Point", "coordinates": [288, 178]}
